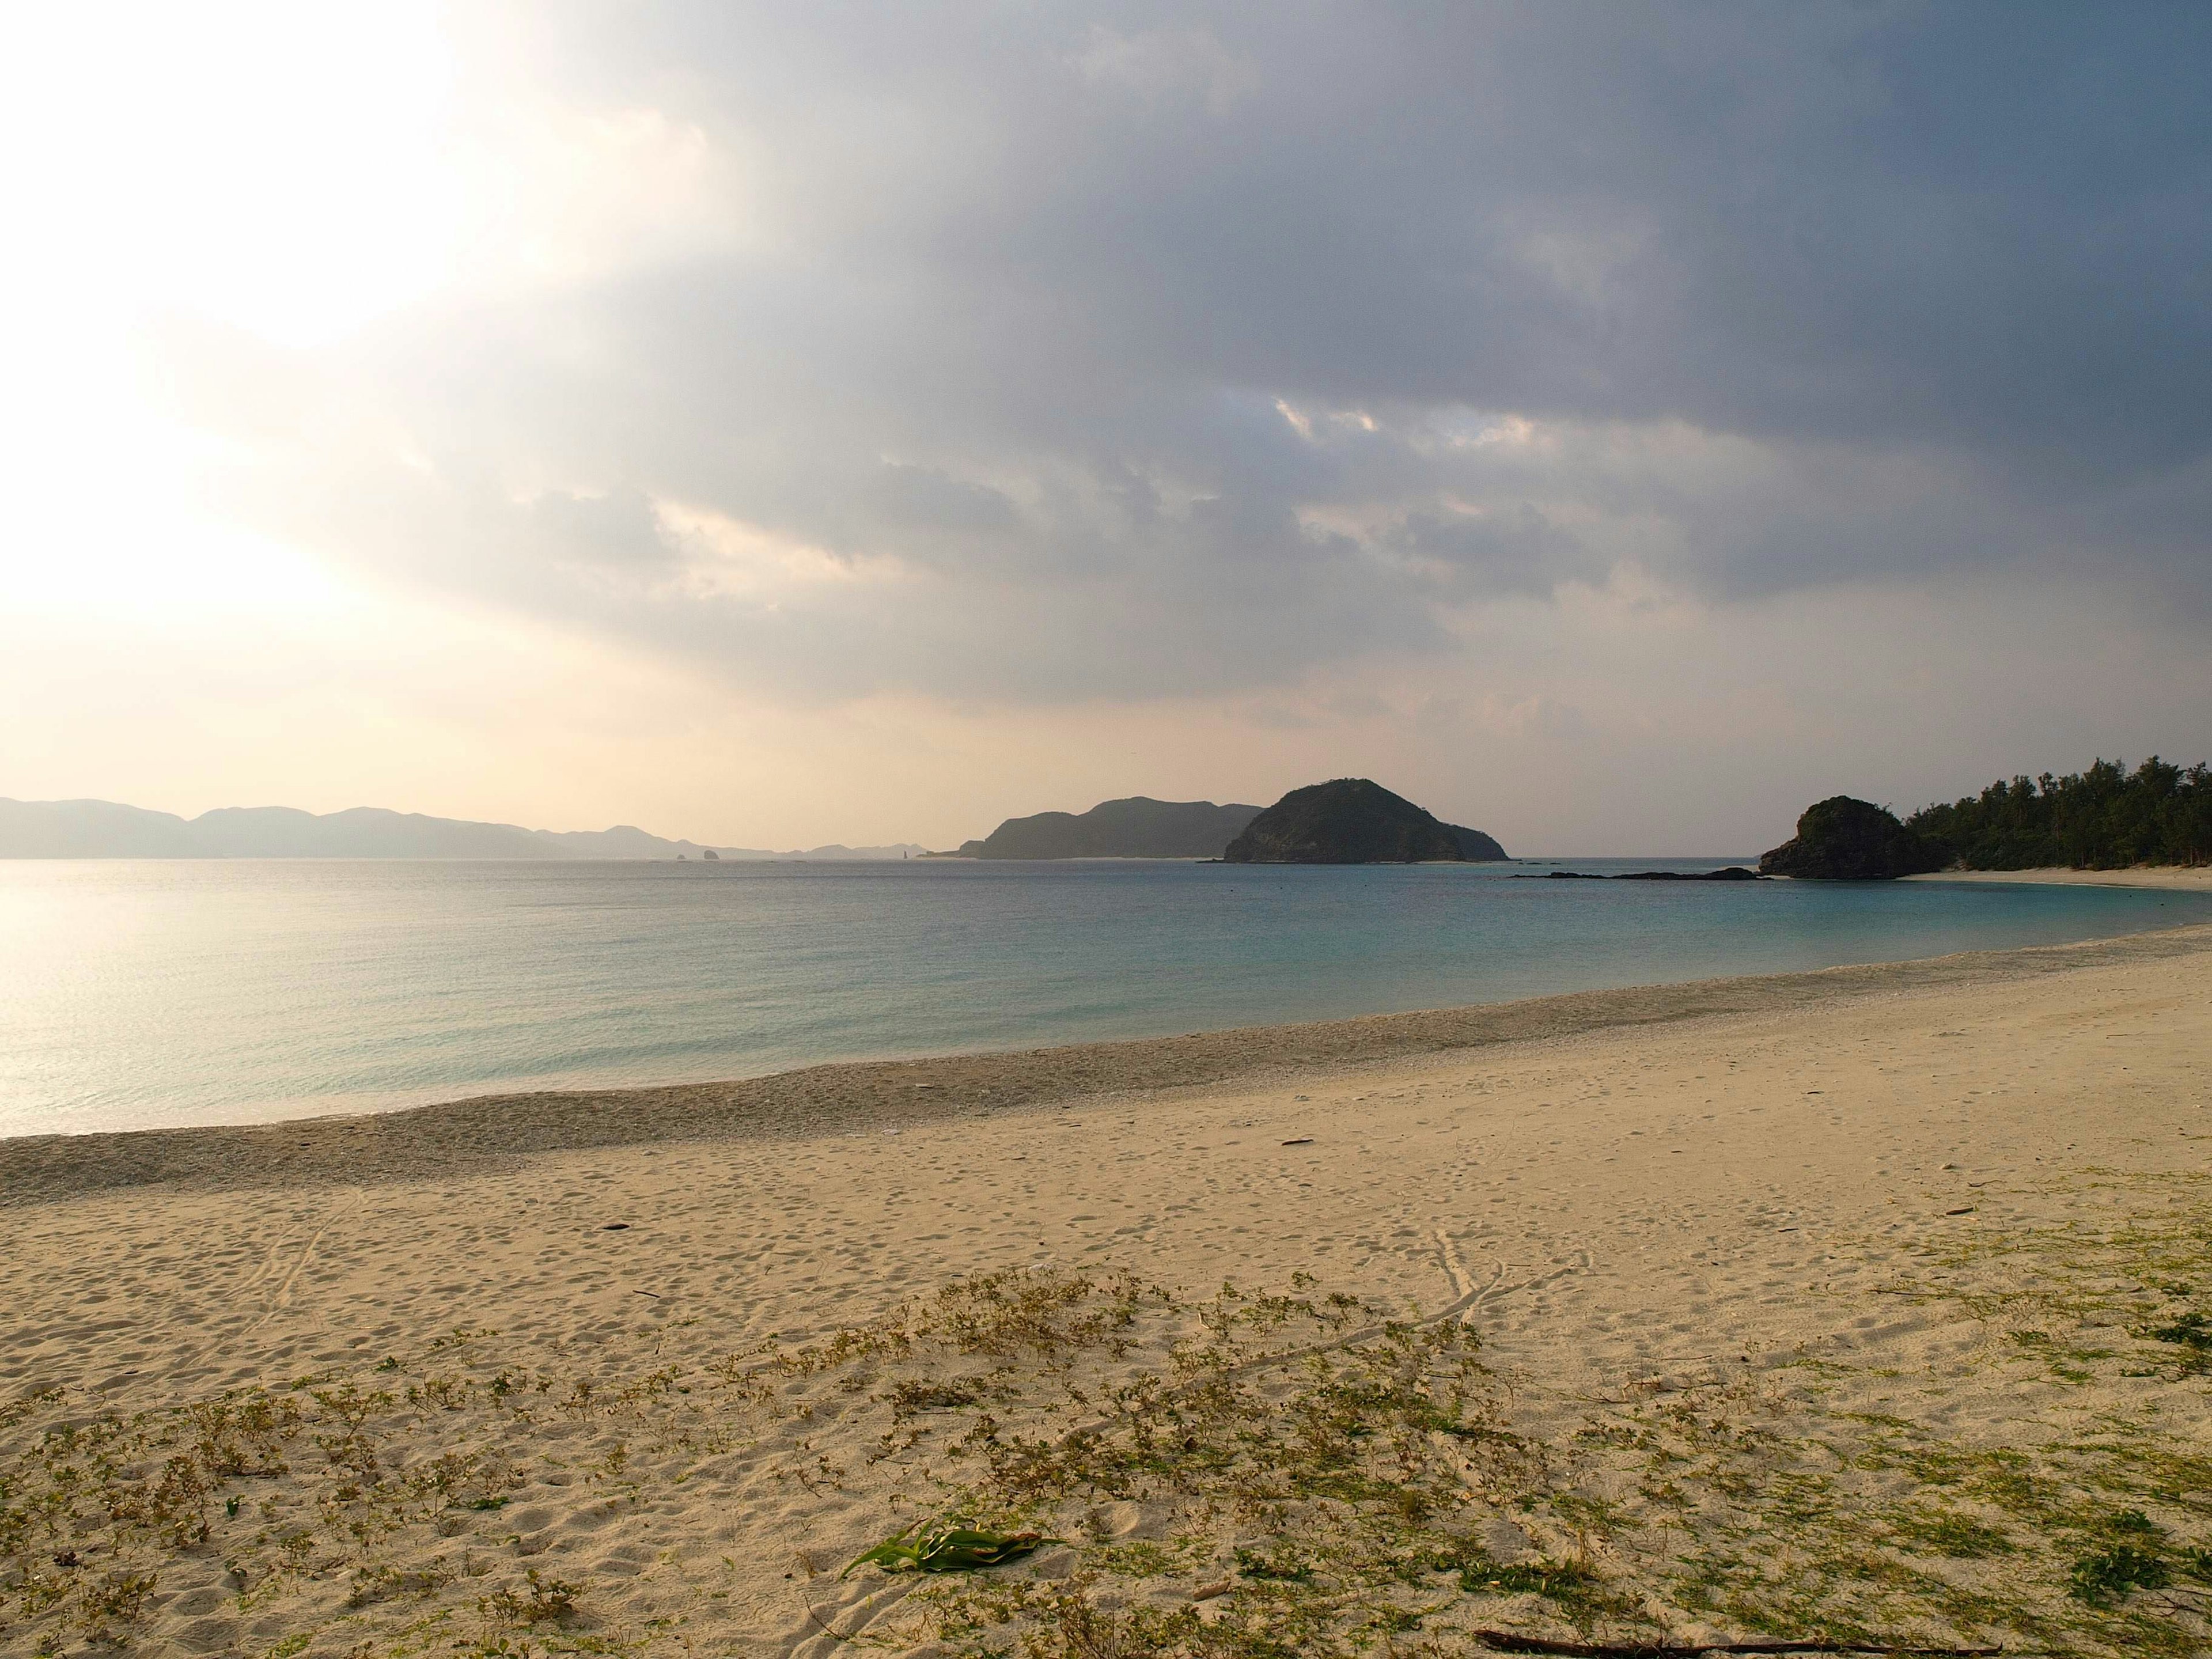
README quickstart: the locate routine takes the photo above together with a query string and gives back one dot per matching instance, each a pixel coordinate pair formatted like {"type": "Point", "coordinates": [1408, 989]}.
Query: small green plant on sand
{"type": "Point", "coordinates": [948, 1549]}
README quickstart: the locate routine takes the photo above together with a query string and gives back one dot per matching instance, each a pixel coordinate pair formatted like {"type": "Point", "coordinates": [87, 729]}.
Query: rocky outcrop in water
{"type": "Point", "coordinates": [1842, 839]}
{"type": "Point", "coordinates": [1732, 872]}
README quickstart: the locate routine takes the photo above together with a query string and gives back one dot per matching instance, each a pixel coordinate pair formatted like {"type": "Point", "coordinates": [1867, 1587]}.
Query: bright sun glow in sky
{"type": "Point", "coordinates": [279, 169]}
{"type": "Point", "coordinates": [276, 166]}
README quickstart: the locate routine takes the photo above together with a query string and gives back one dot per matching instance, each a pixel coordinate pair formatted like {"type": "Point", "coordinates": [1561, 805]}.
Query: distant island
{"type": "Point", "coordinates": [1356, 821]}
{"type": "Point", "coordinates": [106, 829]}
{"type": "Point", "coordinates": [1138, 827]}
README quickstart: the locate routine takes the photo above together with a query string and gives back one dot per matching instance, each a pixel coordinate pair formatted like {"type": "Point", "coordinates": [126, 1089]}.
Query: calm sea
{"type": "Point", "coordinates": [135, 994]}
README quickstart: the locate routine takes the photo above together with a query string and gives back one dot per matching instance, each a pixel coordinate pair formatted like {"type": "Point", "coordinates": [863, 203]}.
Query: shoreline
{"type": "Point", "coordinates": [2165, 877]}
{"type": "Point", "coordinates": [1908, 1237]}
{"type": "Point", "coordinates": [479, 1133]}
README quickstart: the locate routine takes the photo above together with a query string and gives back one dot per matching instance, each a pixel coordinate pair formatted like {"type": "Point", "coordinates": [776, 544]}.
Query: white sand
{"type": "Point", "coordinates": [2175, 877]}
{"type": "Point", "coordinates": [1691, 1209]}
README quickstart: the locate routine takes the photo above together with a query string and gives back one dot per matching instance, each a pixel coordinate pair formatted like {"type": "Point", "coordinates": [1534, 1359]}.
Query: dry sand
{"type": "Point", "coordinates": [1814, 1304]}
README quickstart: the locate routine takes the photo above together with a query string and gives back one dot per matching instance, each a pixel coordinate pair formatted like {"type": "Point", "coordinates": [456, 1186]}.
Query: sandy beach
{"type": "Point", "coordinates": [1854, 1304]}
{"type": "Point", "coordinates": [2170, 876]}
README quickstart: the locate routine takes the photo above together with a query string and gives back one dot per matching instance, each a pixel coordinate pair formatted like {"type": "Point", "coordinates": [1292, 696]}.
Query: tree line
{"type": "Point", "coordinates": [2105, 819]}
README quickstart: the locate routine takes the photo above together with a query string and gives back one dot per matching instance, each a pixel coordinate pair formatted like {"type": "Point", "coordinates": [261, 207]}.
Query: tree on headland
{"type": "Point", "coordinates": [2105, 819]}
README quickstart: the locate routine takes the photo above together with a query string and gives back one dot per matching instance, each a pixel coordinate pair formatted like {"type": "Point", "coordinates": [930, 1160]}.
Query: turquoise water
{"type": "Point", "coordinates": [135, 994]}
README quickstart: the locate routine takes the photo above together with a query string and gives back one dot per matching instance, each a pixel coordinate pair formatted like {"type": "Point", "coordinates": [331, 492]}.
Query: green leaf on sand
{"type": "Point", "coordinates": [950, 1549]}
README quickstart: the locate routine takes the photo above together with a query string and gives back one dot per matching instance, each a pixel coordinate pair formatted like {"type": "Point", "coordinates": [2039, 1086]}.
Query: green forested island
{"type": "Point", "coordinates": [2105, 819]}
{"type": "Point", "coordinates": [1356, 821]}
{"type": "Point", "coordinates": [1138, 827]}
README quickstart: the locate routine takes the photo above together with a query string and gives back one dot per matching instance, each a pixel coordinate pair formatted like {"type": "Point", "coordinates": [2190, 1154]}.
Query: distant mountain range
{"type": "Point", "coordinates": [104, 829]}
{"type": "Point", "coordinates": [1142, 827]}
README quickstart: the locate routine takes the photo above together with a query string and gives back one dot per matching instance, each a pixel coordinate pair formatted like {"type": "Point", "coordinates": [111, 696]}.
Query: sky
{"type": "Point", "coordinates": [1612, 427]}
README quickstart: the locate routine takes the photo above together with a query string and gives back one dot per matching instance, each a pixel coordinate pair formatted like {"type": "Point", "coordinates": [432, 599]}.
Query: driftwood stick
{"type": "Point", "coordinates": [1501, 1641]}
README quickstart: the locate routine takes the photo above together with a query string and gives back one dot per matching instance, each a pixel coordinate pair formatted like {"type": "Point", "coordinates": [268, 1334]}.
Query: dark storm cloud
{"type": "Point", "coordinates": [1179, 348]}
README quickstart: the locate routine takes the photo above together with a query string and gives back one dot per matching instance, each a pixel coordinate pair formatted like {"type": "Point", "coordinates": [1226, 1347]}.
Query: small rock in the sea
{"type": "Point", "coordinates": [1302, 1140]}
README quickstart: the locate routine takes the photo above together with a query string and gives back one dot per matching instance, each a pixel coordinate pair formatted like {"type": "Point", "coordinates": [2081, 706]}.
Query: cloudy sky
{"type": "Point", "coordinates": [1612, 426]}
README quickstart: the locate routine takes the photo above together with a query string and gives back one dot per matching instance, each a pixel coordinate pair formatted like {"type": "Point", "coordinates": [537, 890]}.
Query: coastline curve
{"type": "Point", "coordinates": [459, 1136]}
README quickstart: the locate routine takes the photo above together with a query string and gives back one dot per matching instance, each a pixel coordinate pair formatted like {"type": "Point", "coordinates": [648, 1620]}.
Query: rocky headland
{"type": "Point", "coordinates": [1843, 839]}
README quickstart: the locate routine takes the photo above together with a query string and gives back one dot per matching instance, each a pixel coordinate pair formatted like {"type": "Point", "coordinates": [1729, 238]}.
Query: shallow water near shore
{"type": "Point", "coordinates": [138, 995]}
